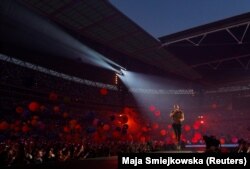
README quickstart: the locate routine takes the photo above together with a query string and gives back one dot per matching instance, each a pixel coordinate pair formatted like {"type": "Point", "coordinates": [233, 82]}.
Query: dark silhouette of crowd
{"type": "Point", "coordinates": [37, 150]}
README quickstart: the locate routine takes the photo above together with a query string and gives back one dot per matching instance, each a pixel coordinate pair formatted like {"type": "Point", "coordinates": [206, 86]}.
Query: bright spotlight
{"type": "Point", "coordinates": [123, 71]}
{"type": "Point", "coordinates": [120, 73]}
{"type": "Point", "coordinates": [58, 41]}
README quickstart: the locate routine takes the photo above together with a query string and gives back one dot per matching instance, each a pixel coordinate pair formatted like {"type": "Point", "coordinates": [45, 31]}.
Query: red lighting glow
{"type": "Point", "coordinates": [103, 91]}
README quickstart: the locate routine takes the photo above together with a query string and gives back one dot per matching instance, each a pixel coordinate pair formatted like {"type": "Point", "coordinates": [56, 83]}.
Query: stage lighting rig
{"type": "Point", "coordinates": [121, 72]}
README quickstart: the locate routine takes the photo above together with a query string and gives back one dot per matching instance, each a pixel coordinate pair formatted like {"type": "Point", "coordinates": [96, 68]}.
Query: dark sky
{"type": "Point", "coordinates": [163, 17]}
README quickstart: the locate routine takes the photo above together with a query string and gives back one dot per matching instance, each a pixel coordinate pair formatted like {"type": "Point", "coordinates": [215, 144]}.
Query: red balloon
{"type": "Point", "coordinates": [35, 117]}
{"type": "Point", "coordinates": [16, 129]}
{"type": "Point", "coordinates": [56, 109]}
{"type": "Point", "coordinates": [152, 108]}
{"type": "Point", "coordinates": [53, 96]}
{"type": "Point", "coordinates": [173, 135]}
{"type": "Point", "coordinates": [78, 127]}
{"type": "Point", "coordinates": [157, 113]}
{"type": "Point", "coordinates": [106, 127]}
{"type": "Point", "coordinates": [95, 122]}
{"type": "Point", "coordinates": [34, 122]}
{"type": "Point", "coordinates": [66, 129]}
{"type": "Point", "coordinates": [65, 115]}
{"type": "Point", "coordinates": [155, 126]}
{"type": "Point", "coordinates": [197, 136]}
{"type": "Point", "coordinates": [72, 123]}
{"type": "Point", "coordinates": [196, 125]}
{"type": "Point", "coordinates": [4, 125]}
{"type": "Point", "coordinates": [42, 108]}
{"type": "Point", "coordinates": [25, 129]}
{"type": "Point", "coordinates": [222, 140]}
{"type": "Point", "coordinates": [234, 140]}
{"type": "Point", "coordinates": [103, 91]}
{"type": "Point", "coordinates": [19, 109]}
{"type": "Point", "coordinates": [33, 106]}
{"type": "Point", "coordinates": [163, 132]}
{"type": "Point", "coordinates": [187, 128]}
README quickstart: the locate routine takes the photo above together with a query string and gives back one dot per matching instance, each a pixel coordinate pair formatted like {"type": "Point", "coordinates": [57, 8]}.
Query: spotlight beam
{"type": "Point", "coordinates": [56, 40]}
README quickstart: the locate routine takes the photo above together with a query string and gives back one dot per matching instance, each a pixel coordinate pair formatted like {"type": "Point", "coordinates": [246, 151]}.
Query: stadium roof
{"type": "Point", "coordinates": [99, 22]}
{"type": "Point", "coordinates": [216, 53]}
{"type": "Point", "coordinates": [219, 51]}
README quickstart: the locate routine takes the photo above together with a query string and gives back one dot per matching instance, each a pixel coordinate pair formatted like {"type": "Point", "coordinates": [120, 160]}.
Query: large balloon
{"type": "Point", "coordinates": [33, 106]}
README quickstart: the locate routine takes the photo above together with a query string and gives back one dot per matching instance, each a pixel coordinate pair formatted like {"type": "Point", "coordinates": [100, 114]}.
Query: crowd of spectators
{"type": "Point", "coordinates": [37, 150]}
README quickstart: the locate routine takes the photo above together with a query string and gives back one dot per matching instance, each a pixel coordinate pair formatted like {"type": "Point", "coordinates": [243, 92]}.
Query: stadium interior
{"type": "Point", "coordinates": [81, 80]}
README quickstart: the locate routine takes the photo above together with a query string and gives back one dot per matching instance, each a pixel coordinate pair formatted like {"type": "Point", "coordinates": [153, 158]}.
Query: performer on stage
{"type": "Point", "coordinates": [178, 117]}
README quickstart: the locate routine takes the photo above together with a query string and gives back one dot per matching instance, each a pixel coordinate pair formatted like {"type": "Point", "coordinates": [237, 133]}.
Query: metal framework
{"type": "Point", "coordinates": [215, 64]}
{"type": "Point", "coordinates": [204, 35]}
{"type": "Point", "coordinates": [92, 83]}
{"type": "Point", "coordinates": [55, 73]}
{"type": "Point", "coordinates": [228, 89]}
{"type": "Point", "coordinates": [218, 51]}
